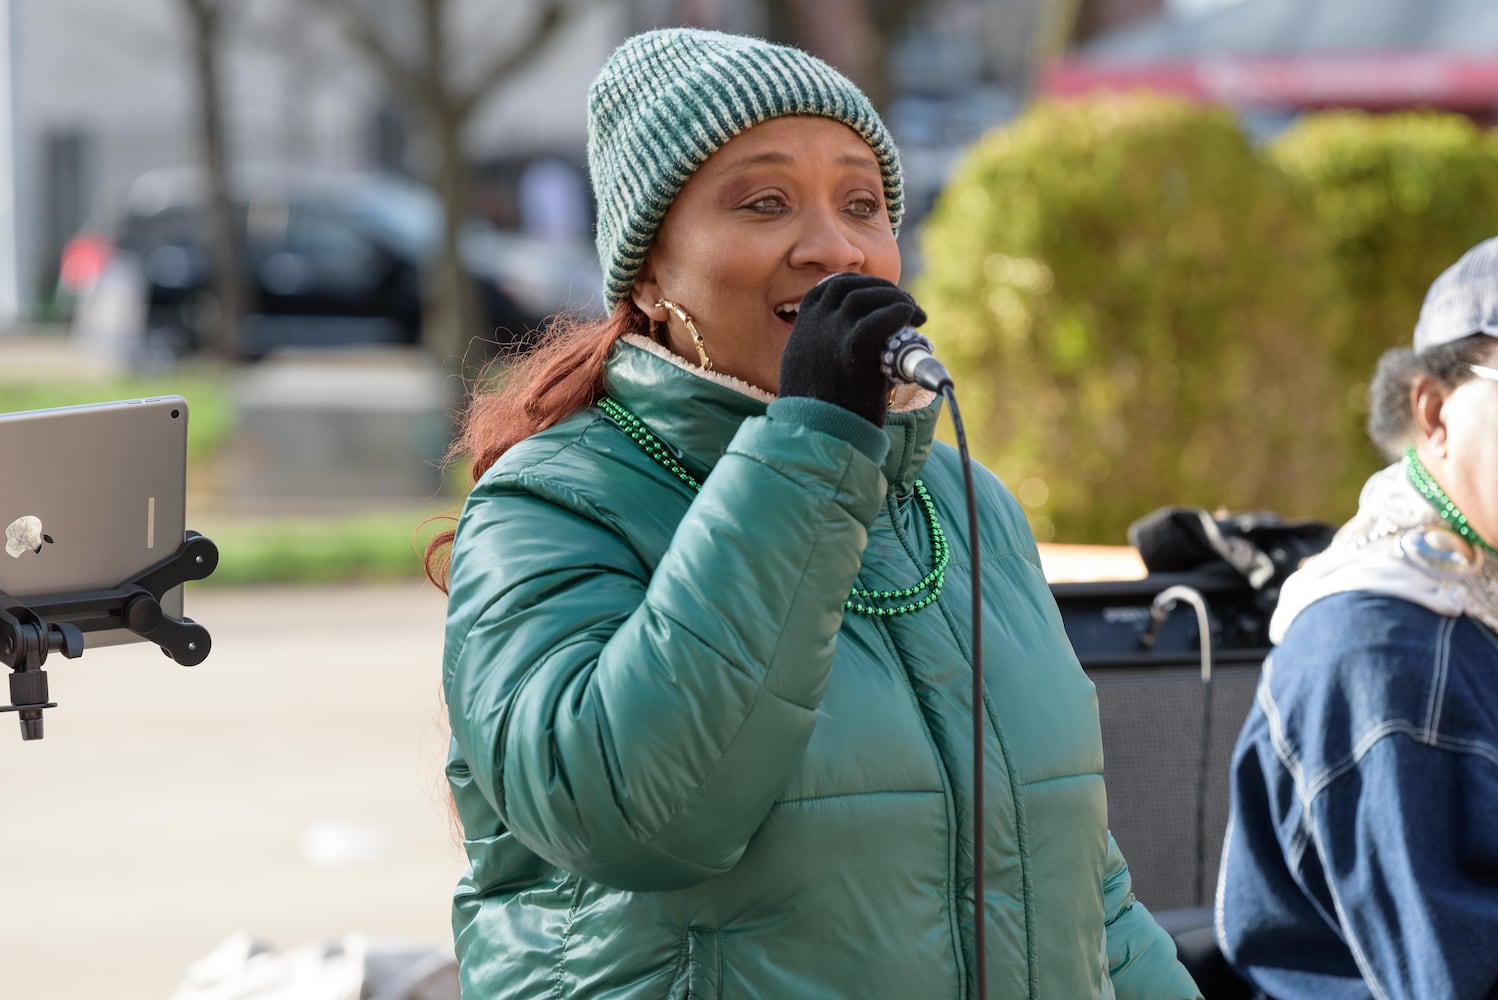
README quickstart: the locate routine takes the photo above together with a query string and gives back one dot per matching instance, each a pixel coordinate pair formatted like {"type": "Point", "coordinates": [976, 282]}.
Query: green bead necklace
{"type": "Point", "coordinates": [860, 601]}
{"type": "Point", "coordinates": [1444, 505]}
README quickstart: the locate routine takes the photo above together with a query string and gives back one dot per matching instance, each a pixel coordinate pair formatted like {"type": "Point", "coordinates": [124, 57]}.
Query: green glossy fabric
{"type": "Point", "coordinates": [682, 771]}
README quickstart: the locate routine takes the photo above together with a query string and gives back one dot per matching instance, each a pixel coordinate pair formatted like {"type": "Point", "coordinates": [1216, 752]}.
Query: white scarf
{"type": "Point", "coordinates": [1396, 545]}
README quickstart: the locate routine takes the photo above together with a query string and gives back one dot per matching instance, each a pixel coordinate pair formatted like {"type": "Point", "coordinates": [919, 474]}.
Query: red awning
{"type": "Point", "coordinates": [1365, 80]}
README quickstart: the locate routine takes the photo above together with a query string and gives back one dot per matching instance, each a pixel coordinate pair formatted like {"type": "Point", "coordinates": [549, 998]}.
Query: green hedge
{"type": "Point", "coordinates": [1138, 311]}
{"type": "Point", "coordinates": [1399, 198]}
{"type": "Point", "coordinates": [378, 545]}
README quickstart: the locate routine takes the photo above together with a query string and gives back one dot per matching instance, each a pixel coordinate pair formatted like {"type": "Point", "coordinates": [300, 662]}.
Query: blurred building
{"type": "Point", "coordinates": [1276, 58]}
{"type": "Point", "coordinates": [103, 92]}
{"type": "Point", "coordinates": [96, 93]}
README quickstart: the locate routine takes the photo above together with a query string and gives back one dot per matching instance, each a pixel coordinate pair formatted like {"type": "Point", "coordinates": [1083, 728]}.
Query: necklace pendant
{"type": "Point", "coordinates": [1441, 552]}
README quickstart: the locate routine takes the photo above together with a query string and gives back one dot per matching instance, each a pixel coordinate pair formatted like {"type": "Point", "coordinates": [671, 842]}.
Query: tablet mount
{"type": "Point", "coordinates": [30, 630]}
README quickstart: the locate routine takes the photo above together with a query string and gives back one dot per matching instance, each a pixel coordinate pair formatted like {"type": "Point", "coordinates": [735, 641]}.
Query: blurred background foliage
{"type": "Point", "coordinates": [1399, 197]}
{"type": "Point", "coordinates": [1143, 308]}
{"type": "Point", "coordinates": [369, 545]}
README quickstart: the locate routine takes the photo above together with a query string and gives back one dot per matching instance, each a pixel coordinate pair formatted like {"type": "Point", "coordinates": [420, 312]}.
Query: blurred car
{"type": "Point", "coordinates": [328, 261]}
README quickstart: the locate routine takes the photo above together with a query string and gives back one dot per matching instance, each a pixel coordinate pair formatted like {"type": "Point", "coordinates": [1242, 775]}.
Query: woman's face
{"type": "Point", "coordinates": [776, 209]}
{"type": "Point", "coordinates": [1458, 443]}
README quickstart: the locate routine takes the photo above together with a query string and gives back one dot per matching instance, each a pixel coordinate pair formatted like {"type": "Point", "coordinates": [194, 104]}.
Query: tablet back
{"type": "Point", "coordinates": [90, 496]}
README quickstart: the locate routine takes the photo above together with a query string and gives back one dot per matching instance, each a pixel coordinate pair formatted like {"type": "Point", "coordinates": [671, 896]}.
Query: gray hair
{"type": "Point", "coordinates": [1391, 424]}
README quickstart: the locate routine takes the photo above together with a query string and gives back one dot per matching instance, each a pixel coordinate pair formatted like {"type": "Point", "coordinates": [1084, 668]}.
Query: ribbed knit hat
{"type": "Point", "coordinates": [666, 100]}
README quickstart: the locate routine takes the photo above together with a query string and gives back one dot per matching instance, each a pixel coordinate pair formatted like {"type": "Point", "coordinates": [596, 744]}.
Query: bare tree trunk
{"type": "Point", "coordinates": [204, 22]}
{"type": "Point", "coordinates": [444, 107]}
{"type": "Point", "coordinates": [451, 317]}
{"type": "Point", "coordinates": [453, 314]}
{"type": "Point", "coordinates": [852, 35]}
{"type": "Point", "coordinates": [844, 33]}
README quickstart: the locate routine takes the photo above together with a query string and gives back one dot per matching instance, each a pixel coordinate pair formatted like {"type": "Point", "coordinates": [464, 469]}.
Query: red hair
{"type": "Point", "coordinates": [563, 374]}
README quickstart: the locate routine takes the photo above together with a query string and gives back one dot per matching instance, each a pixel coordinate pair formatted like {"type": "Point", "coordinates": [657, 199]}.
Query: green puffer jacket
{"type": "Point", "coordinates": [684, 772]}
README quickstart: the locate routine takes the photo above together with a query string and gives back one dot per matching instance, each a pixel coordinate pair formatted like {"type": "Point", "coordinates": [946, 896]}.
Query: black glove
{"type": "Point", "coordinates": [840, 332]}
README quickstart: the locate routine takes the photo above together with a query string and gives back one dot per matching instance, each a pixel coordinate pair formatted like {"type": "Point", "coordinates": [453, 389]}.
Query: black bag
{"type": "Point", "coordinates": [1260, 546]}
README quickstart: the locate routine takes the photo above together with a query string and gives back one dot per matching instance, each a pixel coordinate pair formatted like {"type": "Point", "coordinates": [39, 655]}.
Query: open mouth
{"type": "Point", "coordinates": [787, 312]}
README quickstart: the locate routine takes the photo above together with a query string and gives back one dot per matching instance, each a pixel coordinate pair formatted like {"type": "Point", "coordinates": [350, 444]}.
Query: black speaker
{"type": "Point", "coordinates": [1168, 731]}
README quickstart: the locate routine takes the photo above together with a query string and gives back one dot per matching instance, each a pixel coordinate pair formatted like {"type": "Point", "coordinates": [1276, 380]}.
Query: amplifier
{"type": "Point", "coordinates": [1168, 730]}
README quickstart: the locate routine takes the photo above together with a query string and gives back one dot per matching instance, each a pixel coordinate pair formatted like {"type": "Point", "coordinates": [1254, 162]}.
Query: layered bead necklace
{"type": "Point", "coordinates": [1431, 490]}
{"type": "Point", "coordinates": [874, 603]}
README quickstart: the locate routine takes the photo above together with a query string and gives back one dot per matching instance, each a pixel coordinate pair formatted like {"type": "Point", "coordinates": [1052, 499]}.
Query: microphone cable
{"type": "Point", "coordinates": [908, 358]}
{"type": "Point", "coordinates": [979, 914]}
{"type": "Point", "coordinates": [1160, 609]}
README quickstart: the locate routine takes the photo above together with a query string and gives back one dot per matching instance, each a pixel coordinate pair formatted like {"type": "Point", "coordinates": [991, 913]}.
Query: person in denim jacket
{"type": "Point", "coordinates": [1361, 855]}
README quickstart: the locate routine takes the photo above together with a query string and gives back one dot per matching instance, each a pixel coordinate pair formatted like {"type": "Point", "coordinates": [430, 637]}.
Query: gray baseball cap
{"type": "Point", "coordinates": [1463, 300]}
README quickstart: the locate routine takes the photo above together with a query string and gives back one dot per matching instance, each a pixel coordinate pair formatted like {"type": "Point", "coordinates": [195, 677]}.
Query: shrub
{"type": "Point", "coordinates": [1399, 197]}
{"type": "Point", "coordinates": [359, 547]}
{"type": "Point", "coordinates": [1136, 310]}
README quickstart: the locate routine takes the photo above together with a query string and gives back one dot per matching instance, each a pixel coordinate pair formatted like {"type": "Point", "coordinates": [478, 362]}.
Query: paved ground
{"type": "Point", "coordinates": [289, 786]}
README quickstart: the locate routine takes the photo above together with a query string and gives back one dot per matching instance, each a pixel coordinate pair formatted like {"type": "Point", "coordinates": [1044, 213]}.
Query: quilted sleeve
{"type": "Point", "coordinates": [635, 727]}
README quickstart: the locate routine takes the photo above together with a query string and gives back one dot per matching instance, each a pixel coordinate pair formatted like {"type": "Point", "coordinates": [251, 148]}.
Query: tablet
{"type": "Point", "coordinates": [90, 496]}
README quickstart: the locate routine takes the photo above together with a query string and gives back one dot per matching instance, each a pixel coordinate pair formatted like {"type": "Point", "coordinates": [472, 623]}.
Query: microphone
{"type": "Point", "coordinates": [908, 358]}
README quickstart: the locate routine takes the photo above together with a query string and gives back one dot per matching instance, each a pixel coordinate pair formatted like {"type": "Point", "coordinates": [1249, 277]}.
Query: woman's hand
{"type": "Point", "coordinates": [841, 329]}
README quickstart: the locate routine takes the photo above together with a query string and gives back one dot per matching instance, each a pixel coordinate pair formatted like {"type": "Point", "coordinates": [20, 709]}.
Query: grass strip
{"type": "Point", "coordinates": [379, 545]}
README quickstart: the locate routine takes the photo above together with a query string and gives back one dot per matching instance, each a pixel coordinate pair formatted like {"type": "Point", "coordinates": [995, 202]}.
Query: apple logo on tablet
{"type": "Point", "coordinates": [25, 532]}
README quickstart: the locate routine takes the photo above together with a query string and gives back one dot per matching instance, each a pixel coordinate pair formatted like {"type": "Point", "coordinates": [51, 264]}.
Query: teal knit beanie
{"type": "Point", "coordinates": [667, 100]}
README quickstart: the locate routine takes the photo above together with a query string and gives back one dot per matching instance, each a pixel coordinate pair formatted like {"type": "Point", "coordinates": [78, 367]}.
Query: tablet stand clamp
{"type": "Point", "coordinates": [31, 630]}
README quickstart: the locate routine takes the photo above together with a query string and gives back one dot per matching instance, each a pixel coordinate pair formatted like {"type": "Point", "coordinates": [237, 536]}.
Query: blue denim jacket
{"type": "Point", "coordinates": [1361, 856]}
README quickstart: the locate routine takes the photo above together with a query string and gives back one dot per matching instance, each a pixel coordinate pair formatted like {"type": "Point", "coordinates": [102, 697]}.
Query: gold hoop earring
{"type": "Point", "coordinates": [686, 321]}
